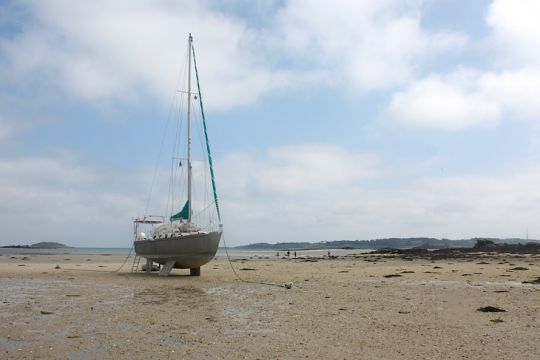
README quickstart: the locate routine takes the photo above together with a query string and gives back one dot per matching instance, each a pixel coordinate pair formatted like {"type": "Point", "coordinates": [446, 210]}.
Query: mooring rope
{"type": "Point", "coordinates": [237, 275]}
{"type": "Point", "coordinates": [126, 259]}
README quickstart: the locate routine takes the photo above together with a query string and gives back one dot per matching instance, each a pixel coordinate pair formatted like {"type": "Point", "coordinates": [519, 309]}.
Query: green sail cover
{"type": "Point", "coordinates": [184, 214]}
{"type": "Point", "coordinates": [206, 138]}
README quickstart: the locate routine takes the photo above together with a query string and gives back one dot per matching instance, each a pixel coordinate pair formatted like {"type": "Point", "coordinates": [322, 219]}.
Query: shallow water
{"type": "Point", "coordinates": [221, 253]}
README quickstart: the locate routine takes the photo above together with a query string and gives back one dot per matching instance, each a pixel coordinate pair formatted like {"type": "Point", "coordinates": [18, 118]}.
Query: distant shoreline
{"type": "Point", "coordinates": [39, 245]}
{"type": "Point", "coordinates": [388, 243]}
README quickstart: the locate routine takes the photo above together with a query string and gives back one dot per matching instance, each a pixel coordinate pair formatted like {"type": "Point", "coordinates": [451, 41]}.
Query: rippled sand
{"type": "Point", "coordinates": [353, 307]}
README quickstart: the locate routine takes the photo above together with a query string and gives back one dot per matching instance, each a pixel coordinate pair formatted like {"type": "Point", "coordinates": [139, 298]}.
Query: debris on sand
{"type": "Point", "coordinates": [497, 320]}
{"type": "Point", "coordinates": [521, 268]}
{"type": "Point", "coordinates": [247, 269]}
{"type": "Point", "coordinates": [535, 281]}
{"type": "Point", "coordinates": [44, 312]}
{"type": "Point", "coordinates": [392, 275]}
{"type": "Point", "coordinates": [490, 309]}
{"type": "Point", "coordinates": [288, 285]}
{"type": "Point", "coordinates": [57, 267]}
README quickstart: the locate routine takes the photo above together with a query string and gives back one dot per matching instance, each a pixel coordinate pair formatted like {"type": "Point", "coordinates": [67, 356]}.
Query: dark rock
{"type": "Point", "coordinates": [490, 309]}
{"type": "Point", "coordinates": [535, 281]}
{"type": "Point", "coordinates": [392, 275]}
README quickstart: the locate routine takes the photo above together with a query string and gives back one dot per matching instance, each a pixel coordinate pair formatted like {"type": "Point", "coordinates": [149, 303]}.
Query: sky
{"type": "Point", "coordinates": [328, 120]}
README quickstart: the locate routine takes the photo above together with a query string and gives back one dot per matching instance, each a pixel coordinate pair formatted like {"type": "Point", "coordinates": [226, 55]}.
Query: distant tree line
{"type": "Point", "coordinates": [388, 243]}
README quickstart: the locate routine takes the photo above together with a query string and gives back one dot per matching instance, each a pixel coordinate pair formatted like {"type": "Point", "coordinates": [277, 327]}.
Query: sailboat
{"type": "Point", "coordinates": [177, 241]}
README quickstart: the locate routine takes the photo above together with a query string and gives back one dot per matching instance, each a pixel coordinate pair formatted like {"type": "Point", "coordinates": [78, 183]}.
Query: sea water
{"type": "Point", "coordinates": [221, 253]}
{"type": "Point", "coordinates": [69, 250]}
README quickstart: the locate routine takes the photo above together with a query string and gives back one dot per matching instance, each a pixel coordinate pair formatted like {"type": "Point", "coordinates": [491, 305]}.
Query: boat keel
{"type": "Point", "coordinates": [166, 269]}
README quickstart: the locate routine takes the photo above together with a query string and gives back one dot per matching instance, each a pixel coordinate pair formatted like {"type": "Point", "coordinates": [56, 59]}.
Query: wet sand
{"type": "Point", "coordinates": [354, 307]}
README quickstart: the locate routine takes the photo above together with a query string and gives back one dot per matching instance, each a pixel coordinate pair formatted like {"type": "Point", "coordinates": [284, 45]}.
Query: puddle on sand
{"type": "Point", "coordinates": [461, 284]}
{"type": "Point", "coordinates": [18, 291]}
{"type": "Point", "coordinates": [158, 296]}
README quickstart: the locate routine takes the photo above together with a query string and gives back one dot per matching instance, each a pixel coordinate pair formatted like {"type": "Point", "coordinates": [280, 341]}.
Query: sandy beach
{"type": "Point", "coordinates": [357, 307]}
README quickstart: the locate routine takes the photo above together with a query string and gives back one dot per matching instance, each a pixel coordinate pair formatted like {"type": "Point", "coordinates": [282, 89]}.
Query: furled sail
{"type": "Point", "coordinates": [183, 214]}
{"type": "Point", "coordinates": [206, 138]}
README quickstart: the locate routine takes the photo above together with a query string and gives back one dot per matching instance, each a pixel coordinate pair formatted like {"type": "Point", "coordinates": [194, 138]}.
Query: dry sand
{"type": "Point", "coordinates": [341, 308]}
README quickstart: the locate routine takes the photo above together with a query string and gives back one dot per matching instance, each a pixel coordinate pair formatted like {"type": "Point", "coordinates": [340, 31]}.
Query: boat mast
{"type": "Point", "coordinates": [189, 128]}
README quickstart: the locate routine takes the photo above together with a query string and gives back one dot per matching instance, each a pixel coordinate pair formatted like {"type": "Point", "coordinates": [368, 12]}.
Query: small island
{"type": "Point", "coordinates": [39, 245]}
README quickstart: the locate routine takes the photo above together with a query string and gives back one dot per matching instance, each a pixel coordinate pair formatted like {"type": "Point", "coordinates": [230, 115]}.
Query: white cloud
{"type": "Point", "coordinates": [300, 169]}
{"type": "Point", "coordinates": [443, 103]}
{"type": "Point", "coordinates": [5, 130]}
{"type": "Point", "coordinates": [516, 29]}
{"type": "Point", "coordinates": [312, 168]}
{"type": "Point", "coordinates": [453, 101]}
{"type": "Point", "coordinates": [514, 90]}
{"type": "Point", "coordinates": [105, 51]}
{"type": "Point", "coordinates": [346, 205]}
{"type": "Point", "coordinates": [44, 170]}
{"type": "Point", "coordinates": [367, 45]}
{"type": "Point", "coordinates": [127, 50]}
{"type": "Point", "coordinates": [7, 123]}
{"type": "Point", "coordinates": [291, 192]}
{"type": "Point", "coordinates": [56, 199]}
{"type": "Point", "coordinates": [456, 102]}
{"type": "Point", "coordinates": [335, 194]}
